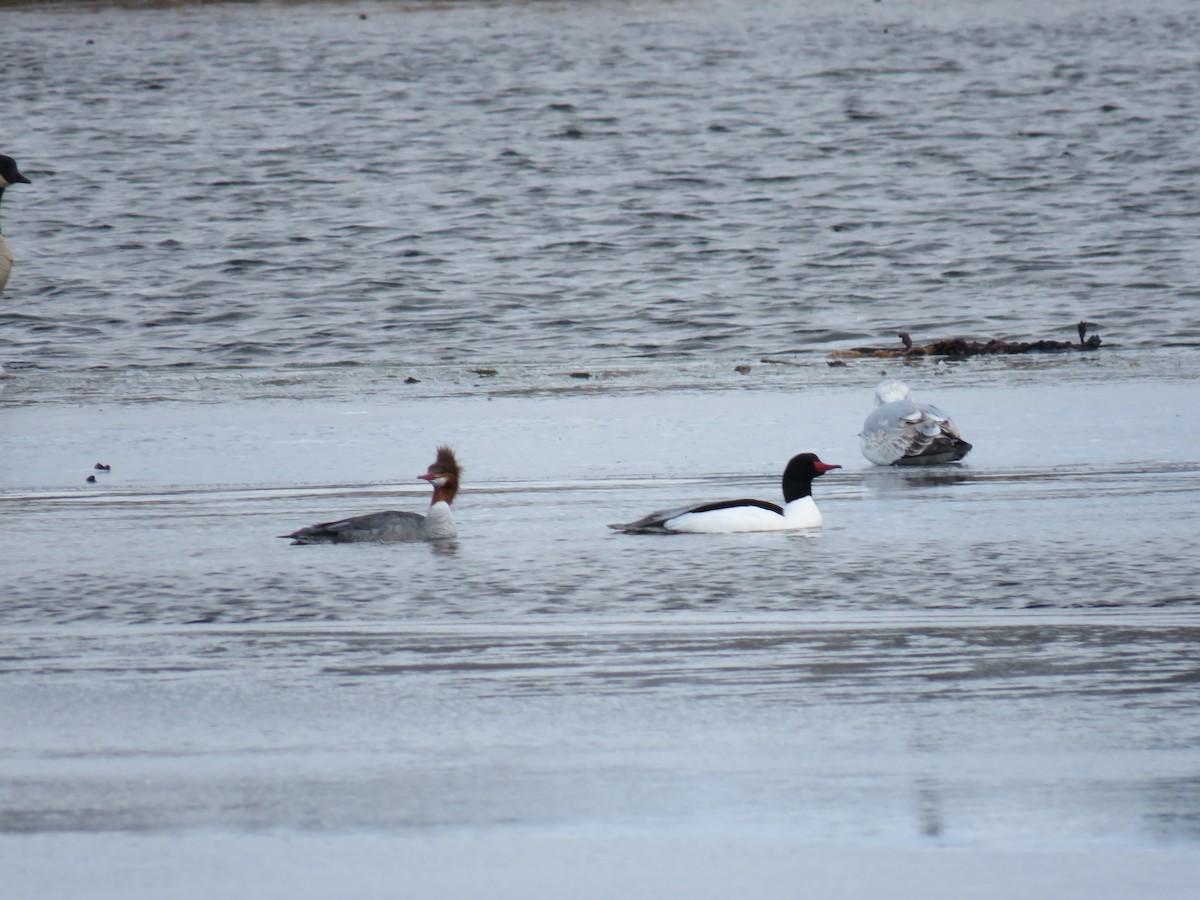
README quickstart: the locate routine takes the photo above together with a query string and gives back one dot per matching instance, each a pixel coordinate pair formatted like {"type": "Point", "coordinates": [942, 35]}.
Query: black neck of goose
{"type": "Point", "coordinates": [796, 485]}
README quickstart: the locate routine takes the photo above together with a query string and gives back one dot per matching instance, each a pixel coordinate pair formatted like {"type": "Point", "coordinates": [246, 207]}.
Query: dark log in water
{"type": "Point", "coordinates": [961, 347]}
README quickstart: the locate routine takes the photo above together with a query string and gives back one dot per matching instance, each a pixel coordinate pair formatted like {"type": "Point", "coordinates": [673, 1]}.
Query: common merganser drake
{"type": "Point", "coordinates": [395, 525]}
{"type": "Point", "coordinates": [730, 516]}
{"type": "Point", "coordinates": [902, 432]}
{"type": "Point", "coordinates": [8, 175]}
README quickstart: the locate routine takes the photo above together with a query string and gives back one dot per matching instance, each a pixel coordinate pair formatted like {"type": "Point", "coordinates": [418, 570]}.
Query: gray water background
{"type": "Point", "coordinates": [249, 225]}
{"type": "Point", "coordinates": [266, 185]}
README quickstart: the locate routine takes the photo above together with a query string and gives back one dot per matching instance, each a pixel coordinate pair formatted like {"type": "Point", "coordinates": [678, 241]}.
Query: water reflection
{"type": "Point", "coordinates": [1174, 808]}
{"type": "Point", "coordinates": [448, 548]}
{"type": "Point", "coordinates": [928, 802]}
{"type": "Point", "coordinates": [893, 479]}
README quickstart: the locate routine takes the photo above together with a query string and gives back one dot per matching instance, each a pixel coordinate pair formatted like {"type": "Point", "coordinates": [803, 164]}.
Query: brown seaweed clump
{"type": "Point", "coordinates": [961, 348]}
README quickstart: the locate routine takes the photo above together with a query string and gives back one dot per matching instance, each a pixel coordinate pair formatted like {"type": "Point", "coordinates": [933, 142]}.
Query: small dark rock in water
{"type": "Point", "coordinates": [91, 479]}
{"type": "Point", "coordinates": [102, 467]}
{"type": "Point", "coordinates": [836, 362]}
{"type": "Point", "coordinates": [742, 369]}
{"type": "Point", "coordinates": [411, 380]}
{"type": "Point", "coordinates": [581, 374]}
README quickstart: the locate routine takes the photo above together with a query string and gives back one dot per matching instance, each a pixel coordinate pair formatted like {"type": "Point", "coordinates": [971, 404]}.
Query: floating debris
{"type": "Point", "coordinates": [487, 373]}
{"type": "Point", "coordinates": [961, 347]}
{"type": "Point", "coordinates": [742, 369]}
{"type": "Point", "coordinates": [580, 374]}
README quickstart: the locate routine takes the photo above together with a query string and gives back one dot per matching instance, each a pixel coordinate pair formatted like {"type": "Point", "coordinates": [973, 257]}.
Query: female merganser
{"type": "Point", "coordinates": [8, 175]}
{"type": "Point", "coordinates": [902, 432]}
{"type": "Point", "coordinates": [728, 516]}
{"type": "Point", "coordinates": [394, 525]}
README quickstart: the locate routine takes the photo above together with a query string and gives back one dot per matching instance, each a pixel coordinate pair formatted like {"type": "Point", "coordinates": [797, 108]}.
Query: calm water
{"type": "Point", "coordinates": [250, 229]}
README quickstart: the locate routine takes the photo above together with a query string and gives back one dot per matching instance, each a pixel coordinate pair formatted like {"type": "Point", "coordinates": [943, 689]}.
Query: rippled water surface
{"type": "Point", "coordinates": [241, 184]}
{"type": "Point", "coordinates": [273, 254]}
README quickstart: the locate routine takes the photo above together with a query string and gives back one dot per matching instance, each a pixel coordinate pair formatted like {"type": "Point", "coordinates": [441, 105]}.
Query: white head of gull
{"type": "Point", "coordinates": [903, 432]}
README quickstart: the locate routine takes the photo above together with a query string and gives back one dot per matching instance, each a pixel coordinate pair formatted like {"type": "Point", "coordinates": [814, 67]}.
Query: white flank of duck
{"type": "Point", "coordinates": [395, 525]}
{"type": "Point", "coordinates": [731, 516]}
{"type": "Point", "coordinates": [9, 175]}
{"type": "Point", "coordinates": [903, 432]}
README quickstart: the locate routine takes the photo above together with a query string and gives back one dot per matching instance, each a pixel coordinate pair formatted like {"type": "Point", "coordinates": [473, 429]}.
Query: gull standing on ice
{"type": "Point", "coordinates": [902, 432]}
